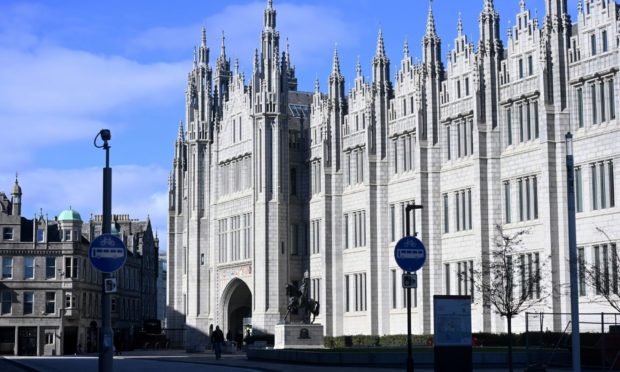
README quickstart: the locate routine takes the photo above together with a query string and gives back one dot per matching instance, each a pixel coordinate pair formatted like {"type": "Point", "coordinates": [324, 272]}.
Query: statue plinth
{"type": "Point", "coordinates": [299, 336]}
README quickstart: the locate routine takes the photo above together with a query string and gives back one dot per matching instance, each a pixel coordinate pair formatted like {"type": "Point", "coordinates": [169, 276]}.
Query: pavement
{"type": "Point", "coordinates": [178, 360]}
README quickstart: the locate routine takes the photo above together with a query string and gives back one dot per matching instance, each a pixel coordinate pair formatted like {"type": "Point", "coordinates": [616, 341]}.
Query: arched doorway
{"type": "Point", "coordinates": [237, 304]}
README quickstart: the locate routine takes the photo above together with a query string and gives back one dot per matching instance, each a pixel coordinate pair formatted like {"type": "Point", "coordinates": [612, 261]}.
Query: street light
{"type": "Point", "coordinates": [106, 342]}
{"type": "Point", "coordinates": [572, 252]}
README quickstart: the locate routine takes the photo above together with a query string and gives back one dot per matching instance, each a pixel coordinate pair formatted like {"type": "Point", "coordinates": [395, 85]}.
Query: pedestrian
{"type": "Point", "coordinates": [229, 336]}
{"type": "Point", "coordinates": [217, 340]}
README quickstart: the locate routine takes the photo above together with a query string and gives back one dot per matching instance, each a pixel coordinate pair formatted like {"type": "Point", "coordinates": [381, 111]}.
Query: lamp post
{"type": "Point", "coordinates": [409, 210]}
{"type": "Point", "coordinates": [106, 339]}
{"type": "Point", "coordinates": [572, 251]}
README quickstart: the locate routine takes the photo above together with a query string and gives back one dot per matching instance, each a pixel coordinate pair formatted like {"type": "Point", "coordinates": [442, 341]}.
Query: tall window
{"type": "Point", "coordinates": [612, 99]}
{"type": "Point", "coordinates": [7, 267]}
{"type": "Point", "coordinates": [50, 267]}
{"type": "Point", "coordinates": [593, 44]}
{"type": "Point", "coordinates": [316, 289]}
{"type": "Point", "coordinates": [247, 235]}
{"type": "Point", "coordinates": [447, 278]}
{"type": "Point", "coordinates": [28, 302]}
{"type": "Point", "coordinates": [223, 240]}
{"type": "Point", "coordinates": [602, 101]}
{"type": "Point", "coordinates": [71, 267]}
{"type": "Point", "coordinates": [520, 68]}
{"type": "Point", "coordinates": [509, 125]}
{"type": "Point", "coordinates": [582, 271]}
{"type": "Point", "coordinates": [463, 210]}
{"type": "Point", "coordinates": [394, 291]}
{"type": "Point", "coordinates": [392, 223]}
{"type": "Point", "coordinates": [446, 225]}
{"type": "Point", "coordinates": [40, 235]}
{"type": "Point", "coordinates": [578, 190]}
{"type": "Point", "coordinates": [448, 139]}
{"type": "Point", "coordinates": [359, 228]}
{"type": "Point", "coordinates": [530, 64]}
{"type": "Point", "coordinates": [580, 107]}
{"type": "Point", "coordinates": [603, 193]}
{"type": "Point", "coordinates": [28, 267]}
{"type": "Point", "coordinates": [507, 207]}
{"type": "Point", "coordinates": [528, 198]}
{"type": "Point", "coordinates": [604, 37]}
{"type": "Point", "coordinates": [50, 302]}
{"type": "Point", "coordinates": [316, 236]}
{"type": "Point", "coordinates": [594, 108]}
{"type": "Point", "coordinates": [355, 292]}
{"type": "Point", "coordinates": [347, 293]}
{"type": "Point", "coordinates": [6, 298]}
{"type": "Point", "coordinates": [521, 125]}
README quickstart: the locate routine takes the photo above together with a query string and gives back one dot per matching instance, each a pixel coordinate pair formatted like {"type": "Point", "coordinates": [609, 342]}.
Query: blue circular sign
{"type": "Point", "coordinates": [107, 253]}
{"type": "Point", "coordinates": [410, 254]}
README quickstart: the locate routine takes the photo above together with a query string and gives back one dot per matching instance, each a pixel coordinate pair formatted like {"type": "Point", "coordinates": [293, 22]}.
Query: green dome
{"type": "Point", "coordinates": [69, 215]}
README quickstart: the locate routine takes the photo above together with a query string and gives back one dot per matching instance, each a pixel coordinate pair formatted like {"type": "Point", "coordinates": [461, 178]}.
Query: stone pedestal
{"type": "Point", "coordinates": [298, 336]}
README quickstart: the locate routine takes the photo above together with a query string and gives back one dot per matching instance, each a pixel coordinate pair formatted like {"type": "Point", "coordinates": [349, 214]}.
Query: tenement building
{"type": "Point", "coordinates": [50, 294]}
{"type": "Point", "coordinates": [269, 182]}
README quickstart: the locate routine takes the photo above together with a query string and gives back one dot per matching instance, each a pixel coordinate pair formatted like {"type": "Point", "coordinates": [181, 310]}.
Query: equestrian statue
{"type": "Point", "coordinates": [298, 299]}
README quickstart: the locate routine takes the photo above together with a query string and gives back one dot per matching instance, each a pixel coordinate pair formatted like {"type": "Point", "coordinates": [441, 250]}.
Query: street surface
{"type": "Point", "coordinates": [176, 361]}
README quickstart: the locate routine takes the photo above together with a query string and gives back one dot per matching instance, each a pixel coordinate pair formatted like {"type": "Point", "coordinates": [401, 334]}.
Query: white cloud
{"type": "Point", "coordinates": [312, 31]}
{"type": "Point", "coordinates": [136, 191]}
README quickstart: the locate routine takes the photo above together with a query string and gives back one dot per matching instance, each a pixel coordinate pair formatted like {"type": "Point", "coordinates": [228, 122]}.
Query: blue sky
{"type": "Point", "coordinates": [69, 68]}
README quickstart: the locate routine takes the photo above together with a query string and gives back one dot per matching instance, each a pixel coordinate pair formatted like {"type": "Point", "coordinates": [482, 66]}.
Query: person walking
{"type": "Point", "coordinates": [217, 340]}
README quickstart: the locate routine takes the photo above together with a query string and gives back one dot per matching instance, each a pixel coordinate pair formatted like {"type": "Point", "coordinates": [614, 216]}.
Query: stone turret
{"type": "Point", "coordinates": [16, 199]}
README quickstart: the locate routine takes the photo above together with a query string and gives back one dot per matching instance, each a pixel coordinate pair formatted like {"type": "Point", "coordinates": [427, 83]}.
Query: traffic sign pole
{"type": "Point", "coordinates": [410, 209]}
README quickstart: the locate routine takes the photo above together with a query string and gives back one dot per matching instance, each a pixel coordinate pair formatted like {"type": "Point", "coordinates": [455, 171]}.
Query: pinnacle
{"type": "Point", "coordinates": [358, 67]}
{"type": "Point", "coordinates": [204, 36]}
{"type": "Point", "coordinates": [430, 21]}
{"type": "Point", "coordinates": [316, 86]}
{"type": "Point", "coordinates": [223, 47]}
{"type": "Point", "coordinates": [180, 135]}
{"type": "Point", "coordinates": [488, 5]}
{"type": "Point", "coordinates": [269, 4]}
{"type": "Point", "coordinates": [522, 5]}
{"type": "Point", "coordinates": [336, 64]}
{"type": "Point", "coordinates": [380, 45]}
{"type": "Point", "coordinates": [459, 27]}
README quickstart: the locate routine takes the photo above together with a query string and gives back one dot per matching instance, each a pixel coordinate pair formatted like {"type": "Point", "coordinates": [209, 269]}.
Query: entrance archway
{"type": "Point", "coordinates": [237, 304]}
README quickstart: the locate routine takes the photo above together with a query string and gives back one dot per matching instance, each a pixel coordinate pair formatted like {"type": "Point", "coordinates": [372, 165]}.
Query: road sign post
{"type": "Point", "coordinates": [410, 255]}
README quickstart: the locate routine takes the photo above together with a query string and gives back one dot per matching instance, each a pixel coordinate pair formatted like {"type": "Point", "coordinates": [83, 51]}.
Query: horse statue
{"type": "Point", "coordinates": [298, 299]}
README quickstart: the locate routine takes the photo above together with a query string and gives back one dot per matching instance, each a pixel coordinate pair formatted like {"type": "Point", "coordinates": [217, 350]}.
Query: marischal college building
{"type": "Point", "coordinates": [269, 182]}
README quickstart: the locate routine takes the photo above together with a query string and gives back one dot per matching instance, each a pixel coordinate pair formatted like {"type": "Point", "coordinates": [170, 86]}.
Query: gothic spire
{"type": "Point", "coordinates": [522, 5]}
{"type": "Point", "coordinates": [255, 66]}
{"type": "Point", "coordinates": [380, 45]}
{"type": "Point", "coordinates": [488, 5]}
{"type": "Point", "coordinates": [204, 36]}
{"type": "Point", "coordinates": [270, 16]}
{"type": "Point", "coordinates": [316, 86]}
{"type": "Point", "coordinates": [430, 21]}
{"type": "Point", "coordinates": [269, 4]}
{"type": "Point", "coordinates": [406, 48]}
{"type": "Point", "coordinates": [358, 67]}
{"type": "Point", "coordinates": [336, 63]}
{"type": "Point", "coordinates": [459, 26]}
{"type": "Point", "coordinates": [223, 46]}
{"type": "Point", "coordinates": [287, 54]}
{"type": "Point", "coordinates": [180, 134]}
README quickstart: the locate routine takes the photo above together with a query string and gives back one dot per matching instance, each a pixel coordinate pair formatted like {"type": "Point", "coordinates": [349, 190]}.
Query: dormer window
{"type": "Point", "coordinates": [7, 233]}
{"type": "Point", "coordinates": [66, 235]}
{"type": "Point", "coordinates": [40, 235]}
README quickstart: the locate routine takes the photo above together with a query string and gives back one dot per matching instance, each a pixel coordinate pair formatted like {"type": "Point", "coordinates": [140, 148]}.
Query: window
{"type": "Point", "coordinates": [593, 44]}
{"type": "Point", "coordinates": [446, 226]}
{"type": "Point", "coordinates": [316, 236]}
{"type": "Point", "coordinates": [358, 220]}
{"type": "Point", "coordinates": [50, 267]}
{"type": "Point", "coordinates": [223, 240]}
{"type": "Point", "coordinates": [40, 235]}
{"type": "Point", "coordinates": [449, 145]}
{"type": "Point", "coordinates": [612, 100]}
{"type": "Point", "coordinates": [521, 124]}
{"type": "Point", "coordinates": [520, 68]}
{"type": "Point", "coordinates": [294, 239]}
{"type": "Point", "coordinates": [71, 267]}
{"type": "Point", "coordinates": [463, 210]}
{"type": "Point", "coordinates": [507, 208]}
{"type": "Point", "coordinates": [69, 300]}
{"type": "Point", "coordinates": [582, 271]}
{"type": "Point", "coordinates": [509, 126]}
{"type": "Point", "coordinates": [355, 292]}
{"type": "Point", "coordinates": [447, 278]}
{"type": "Point", "coordinates": [49, 338]}
{"type": "Point", "coordinates": [580, 107]}
{"type": "Point", "coordinates": [602, 102]}
{"type": "Point", "coordinates": [530, 64]}
{"type": "Point", "coordinates": [67, 235]}
{"type": "Point", "coordinates": [394, 291]}
{"type": "Point", "coordinates": [7, 267]}
{"type": "Point", "coordinates": [603, 193]}
{"type": "Point", "coordinates": [28, 267]}
{"type": "Point", "coordinates": [458, 89]}
{"type": "Point", "coordinates": [392, 223]}
{"type": "Point", "coordinates": [528, 198]}
{"type": "Point", "coordinates": [6, 298]}
{"type": "Point", "coordinates": [247, 236]}
{"type": "Point", "coordinates": [28, 301]}
{"type": "Point", "coordinates": [593, 97]}
{"type": "Point", "coordinates": [50, 302]}
{"type": "Point", "coordinates": [604, 37]}
{"type": "Point", "coordinates": [578, 190]}
{"type": "Point", "coordinates": [7, 233]}
{"type": "Point", "coordinates": [467, 86]}
{"type": "Point", "coordinates": [614, 269]}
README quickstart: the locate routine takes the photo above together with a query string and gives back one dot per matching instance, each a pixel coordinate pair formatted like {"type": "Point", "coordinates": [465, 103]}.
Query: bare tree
{"type": "Point", "coordinates": [501, 289]}
{"type": "Point", "coordinates": [602, 274]}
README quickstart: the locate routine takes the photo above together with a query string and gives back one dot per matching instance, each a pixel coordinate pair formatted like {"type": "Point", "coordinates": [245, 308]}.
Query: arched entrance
{"type": "Point", "coordinates": [237, 304]}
